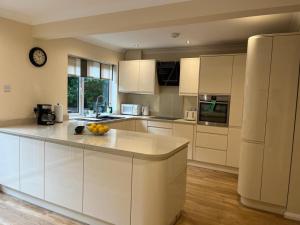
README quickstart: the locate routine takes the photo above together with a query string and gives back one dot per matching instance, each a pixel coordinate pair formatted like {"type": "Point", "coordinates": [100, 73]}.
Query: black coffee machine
{"type": "Point", "coordinates": [44, 114]}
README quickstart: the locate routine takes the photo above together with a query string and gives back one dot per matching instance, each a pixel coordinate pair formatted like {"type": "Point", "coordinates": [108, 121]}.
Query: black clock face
{"type": "Point", "coordinates": [37, 57]}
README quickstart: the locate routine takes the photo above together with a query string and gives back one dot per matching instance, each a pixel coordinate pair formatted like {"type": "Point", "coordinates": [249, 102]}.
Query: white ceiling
{"type": "Point", "coordinates": [217, 32]}
{"type": "Point", "coordinates": [44, 11]}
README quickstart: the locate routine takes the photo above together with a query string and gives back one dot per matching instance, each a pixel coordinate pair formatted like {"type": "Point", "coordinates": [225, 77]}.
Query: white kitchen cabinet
{"type": "Point", "coordinates": [137, 76]}
{"type": "Point", "coordinates": [32, 167]}
{"type": "Point", "coordinates": [212, 141]}
{"type": "Point", "coordinates": [141, 126]}
{"type": "Point", "coordinates": [237, 91]}
{"type": "Point", "coordinates": [210, 156]}
{"type": "Point", "coordinates": [160, 131]}
{"type": "Point", "coordinates": [257, 88]}
{"type": "Point", "coordinates": [123, 125]}
{"type": "Point", "coordinates": [64, 175]}
{"type": "Point", "coordinates": [129, 72]}
{"type": "Point", "coordinates": [215, 74]}
{"type": "Point", "coordinates": [107, 187]}
{"type": "Point", "coordinates": [9, 161]}
{"type": "Point", "coordinates": [282, 103]}
{"type": "Point", "coordinates": [185, 131]}
{"type": "Point", "coordinates": [189, 76]}
{"type": "Point", "coordinates": [147, 77]}
{"type": "Point", "coordinates": [234, 147]}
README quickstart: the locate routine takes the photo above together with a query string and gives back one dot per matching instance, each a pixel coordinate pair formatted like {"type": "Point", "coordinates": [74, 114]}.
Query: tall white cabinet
{"type": "Point", "coordinates": [269, 115]}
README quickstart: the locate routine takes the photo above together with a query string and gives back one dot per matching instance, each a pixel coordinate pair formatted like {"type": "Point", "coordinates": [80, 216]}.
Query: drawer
{"type": "Point", "coordinates": [210, 156]}
{"type": "Point", "coordinates": [214, 141]}
{"type": "Point", "coordinates": [160, 124]}
{"type": "Point", "coordinates": [212, 129]}
{"type": "Point", "coordinates": [160, 131]}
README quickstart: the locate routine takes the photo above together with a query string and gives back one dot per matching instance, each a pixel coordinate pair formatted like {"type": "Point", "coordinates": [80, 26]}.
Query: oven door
{"type": "Point", "coordinates": [213, 113]}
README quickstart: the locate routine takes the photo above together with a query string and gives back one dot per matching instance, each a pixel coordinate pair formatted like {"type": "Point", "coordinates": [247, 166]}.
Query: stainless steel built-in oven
{"type": "Point", "coordinates": [213, 110]}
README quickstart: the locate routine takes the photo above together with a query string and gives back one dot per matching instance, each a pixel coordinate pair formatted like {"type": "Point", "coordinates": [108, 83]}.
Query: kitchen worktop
{"type": "Point", "coordinates": [129, 143]}
{"type": "Point", "coordinates": [151, 118]}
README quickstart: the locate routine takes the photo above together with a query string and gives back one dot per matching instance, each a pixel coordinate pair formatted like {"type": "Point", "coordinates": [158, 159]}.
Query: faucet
{"type": "Point", "coordinates": [97, 105]}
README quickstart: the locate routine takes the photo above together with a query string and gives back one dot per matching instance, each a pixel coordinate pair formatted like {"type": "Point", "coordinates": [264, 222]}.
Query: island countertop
{"type": "Point", "coordinates": [127, 143]}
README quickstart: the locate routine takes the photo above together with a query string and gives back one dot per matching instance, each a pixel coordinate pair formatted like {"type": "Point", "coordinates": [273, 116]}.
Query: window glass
{"type": "Point", "coordinates": [73, 94]}
{"type": "Point", "coordinates": [92, 89]}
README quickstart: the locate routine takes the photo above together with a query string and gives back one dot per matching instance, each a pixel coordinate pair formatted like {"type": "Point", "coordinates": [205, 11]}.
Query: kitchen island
{"type": "Point", "coordinates": [121, 178]}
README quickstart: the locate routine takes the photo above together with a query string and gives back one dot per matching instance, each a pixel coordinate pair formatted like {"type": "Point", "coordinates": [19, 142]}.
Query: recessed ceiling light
{"type": "Point", "coordinates": [188, 42]}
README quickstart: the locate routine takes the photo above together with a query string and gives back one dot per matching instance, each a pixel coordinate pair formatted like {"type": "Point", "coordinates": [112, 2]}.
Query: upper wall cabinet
{"type": "Point", "coordinates": [137, 76]}
{"type": "Point", "coordinates": [215, 74]}
{"type": "Point", "coordinates": [189, 76]}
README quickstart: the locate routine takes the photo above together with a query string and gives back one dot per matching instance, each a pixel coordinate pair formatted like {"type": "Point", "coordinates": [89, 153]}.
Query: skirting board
{"type": "Point", "coordinates": [292, 216]}
{"type": "Point", "coordinates": [52, 207]}
{"type": "Point", "coordinates": [263, 206]}
{"type": "Point", "coordinates": [226, 169]}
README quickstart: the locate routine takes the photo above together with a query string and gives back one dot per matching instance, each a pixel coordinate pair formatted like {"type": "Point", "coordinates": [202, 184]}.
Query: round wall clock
{"type": "Point", "coordinates": [37, 56]}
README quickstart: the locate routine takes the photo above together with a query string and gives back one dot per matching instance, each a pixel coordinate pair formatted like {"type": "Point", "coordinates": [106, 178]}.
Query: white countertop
{"type": "Point", "coordinates": [129, 143]}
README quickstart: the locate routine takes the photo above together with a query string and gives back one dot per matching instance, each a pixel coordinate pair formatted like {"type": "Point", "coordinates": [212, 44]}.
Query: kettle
{"type": "Point", "coordinates": [145, 110]}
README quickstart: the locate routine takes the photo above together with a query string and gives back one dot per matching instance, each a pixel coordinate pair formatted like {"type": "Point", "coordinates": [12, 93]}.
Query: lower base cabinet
{"type": "Point", "coordinates": [64, 175]}
{"type": "Point", "coordinates": [32, 163]}
{"type": "Point", "coordinates": [185, 131]}
{"type": "Point", "coordinates": [107, 187]}
{"type": "Point", "coordinates": [210, 156]}
{"type": "Point", "coordinates": [9, 161]}
{"type": "Point", "coordinates": [234, 147]}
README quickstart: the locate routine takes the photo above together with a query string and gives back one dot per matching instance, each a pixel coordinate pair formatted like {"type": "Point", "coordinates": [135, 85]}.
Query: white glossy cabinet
{"type": "Point", "coordinates": [147, 77]}
{"type": "Point", "coordinates": [237, 91]}
{"type": "Point", "coordinates": [107, 187]}
{"type": "Point", "coordinates": [257, 88]}
{"type": "Point", "coordinates": [9, 161]}
{"type": "Point", "coordinates": [64, 175]}
{"type": "Point", "coordinates": [215, 74]}
{"type": "Point", "coordinates": [141, 126]}
{"type": "Point", "coordinates": [160, 131]}
{"type": "Point", "coordinates": [137, 76]}
{"type": "Point", "coordinates": [234, 147]}
{"type": "Point", "coordinates": [129, 72]}
{"type": "Point", "coordinates": [32, 156]}
{"type": "Point", "coordinates": [185, 131]}
{"type": "Point", "coordinates": [123, 125]}
{"type": "Point", "coordinates": [210, 156]}
{"type": "Point", "coordinates": [282, 102]}
{"type": "Point", "coordinates": [189, 76]}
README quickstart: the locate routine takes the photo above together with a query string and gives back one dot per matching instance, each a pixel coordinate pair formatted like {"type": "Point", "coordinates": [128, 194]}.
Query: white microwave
{"type": "Point", "coordinates": [131, 109]}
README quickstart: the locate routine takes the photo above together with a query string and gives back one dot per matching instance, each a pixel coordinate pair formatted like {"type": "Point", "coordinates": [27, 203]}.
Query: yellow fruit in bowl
{"type": "Point", "coordinates": [97, 129]}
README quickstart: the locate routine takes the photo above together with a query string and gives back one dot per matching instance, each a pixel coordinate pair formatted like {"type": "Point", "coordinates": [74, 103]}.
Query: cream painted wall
{"type": "Point", "coordinates": [31, 85]}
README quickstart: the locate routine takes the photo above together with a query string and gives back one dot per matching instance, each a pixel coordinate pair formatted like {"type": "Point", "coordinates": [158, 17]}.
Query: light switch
{"type": "Point", "coordinates": [7, 88]}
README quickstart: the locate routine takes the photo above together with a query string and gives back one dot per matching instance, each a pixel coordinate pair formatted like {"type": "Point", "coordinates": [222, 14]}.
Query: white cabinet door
{"type": "Point", "coordinates": [32, 167]}
{"type": "Point", "coordinates": [185, 131]}
{"type": "Point", "coordinates": [210, 156]}
{"type": "Point", "coordinates": [64, 176]}
{"type": "Point", "coordinates": [189, 76]}
{"type": "Point", "coordinates": [9, 161]}
{"type": "Point", "coordinates": [234, 147]}
{"type": "Point", "coordinates": [129, 75]}
{"type": "Point", "coordinates": [237, 91]}
{"type": "Point", "coordinates": [123, 125]}
{"type": "Point", "coordinates": [215, 74]}
{"type": "Point", "coordinates": [141, 126]}
{"type": "Point", "coordinates": [147, 77]}
{"type": "Point", "coordinates": [256, 88]}
{"type": "Point", "coordinates": [282, 102]}
{"type": "Point", "coordinates": [160, 131]}
{"type": "Point", "coordinates": [107, 187]}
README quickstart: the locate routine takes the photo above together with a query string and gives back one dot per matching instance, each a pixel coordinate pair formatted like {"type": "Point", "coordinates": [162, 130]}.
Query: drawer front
{"type": "Point", "coordinates": [160, 124]}
{"type": "Point", "coordinates": [210, 156]}
{"type": "Point", "coordinates": [212, 129]}
{"type": "Point", "coordinates": [160, 131]}
{"type": "Point", "coordinates": [214, 141]}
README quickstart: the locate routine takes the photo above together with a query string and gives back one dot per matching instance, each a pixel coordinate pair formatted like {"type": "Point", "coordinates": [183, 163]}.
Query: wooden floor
{"type": "Point", "coordinates": [211, 200]}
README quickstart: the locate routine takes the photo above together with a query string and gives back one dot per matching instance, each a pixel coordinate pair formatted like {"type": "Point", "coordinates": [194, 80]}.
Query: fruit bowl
{"type": "Point", "coordinates": [97, 129]}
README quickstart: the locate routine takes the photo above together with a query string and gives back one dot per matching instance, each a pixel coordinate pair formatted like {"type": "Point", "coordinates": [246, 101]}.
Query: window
{"type": "Point", "coordinates": [85, 86]}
